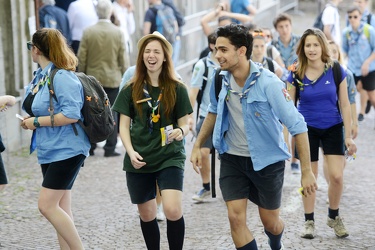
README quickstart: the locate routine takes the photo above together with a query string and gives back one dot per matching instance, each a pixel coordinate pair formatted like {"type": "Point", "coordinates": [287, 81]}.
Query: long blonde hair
{"type": "Point", "coordinates": [167, 79]}
{"type": "Point", "coordinates": [54, 47]}
{"type": "Point", "coordinates": [302, 59]}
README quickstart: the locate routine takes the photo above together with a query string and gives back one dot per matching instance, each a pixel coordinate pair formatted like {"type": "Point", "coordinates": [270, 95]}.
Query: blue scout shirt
{"type": "Point", "coordinates": [60, 142]}
{"type": "Point", "coordinates": [266, 104]}
{"type": "Point", "coordinates": [358, 47]}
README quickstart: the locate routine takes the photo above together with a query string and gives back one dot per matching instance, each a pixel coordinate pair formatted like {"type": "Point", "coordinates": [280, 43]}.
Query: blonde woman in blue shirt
{"type": "Point", "coordinates": [61, 152]}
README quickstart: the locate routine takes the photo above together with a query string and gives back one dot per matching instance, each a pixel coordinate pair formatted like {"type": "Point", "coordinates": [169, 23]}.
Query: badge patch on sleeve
{"type": "Point", "coordinates": [286, 95]}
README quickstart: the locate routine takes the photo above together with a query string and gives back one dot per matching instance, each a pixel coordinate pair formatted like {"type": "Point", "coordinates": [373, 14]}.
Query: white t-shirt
{"type": "Point", "coordinates": [331, 16]}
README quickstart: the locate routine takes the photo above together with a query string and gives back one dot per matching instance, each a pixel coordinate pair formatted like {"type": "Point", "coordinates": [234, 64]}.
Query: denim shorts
{"type": "Point", "coordinates": [61, 175]}
{"type": "Point", "coordinates": [238, 180]}
{"type": "Point", "coordinates": [142, 186]}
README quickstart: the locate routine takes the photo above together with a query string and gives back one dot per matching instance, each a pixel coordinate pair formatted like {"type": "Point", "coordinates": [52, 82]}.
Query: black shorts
{"type": "Point", "coordinates": [3, 176]}
{"type": "Point", "coordinates": [239, 180]}
{"type": "Point", "coordinates": [142, 186]}
{"type": "Point", "coordinates": [62, 174]}
{"type": "Point", "coordinates": [368, 82]}
{"type": "Point", "coordinates": [208, 142]}
{"type": "Point", "coordinates": [331, 140]}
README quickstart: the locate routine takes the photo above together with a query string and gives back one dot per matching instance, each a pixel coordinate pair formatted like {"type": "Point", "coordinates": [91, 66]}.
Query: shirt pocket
{"type": "Point", "coordinates": [258, 110]}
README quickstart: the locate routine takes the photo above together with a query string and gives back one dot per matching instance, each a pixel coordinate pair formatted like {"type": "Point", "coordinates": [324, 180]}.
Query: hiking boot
{"type": "Point", "coordinates": [295, 168]}
{"type": "Point", "coordinates": [368, 107]}
{"type": "Point", "coordinates": [199, 196]}
{"type": "Point", "coordinates": [361, 117]}
{"type": "Point", "coordinates": [309, 230]}
{"type": "Point", "coordinates": [338, 227]}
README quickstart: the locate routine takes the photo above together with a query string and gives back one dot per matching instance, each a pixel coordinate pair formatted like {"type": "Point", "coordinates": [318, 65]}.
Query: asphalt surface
{"type": "Point", "coordinates": [106, 219]}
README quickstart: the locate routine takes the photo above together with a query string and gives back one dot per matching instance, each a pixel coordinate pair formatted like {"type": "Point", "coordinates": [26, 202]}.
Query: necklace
{"type": "Point", "coordinates": [302, 85]}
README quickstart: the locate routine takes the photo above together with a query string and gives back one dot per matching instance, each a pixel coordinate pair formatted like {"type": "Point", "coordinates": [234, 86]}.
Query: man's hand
{"type": "Point", "coordinates": [196, 158]}
{"type": "Point", "coordinates": [308, 182]}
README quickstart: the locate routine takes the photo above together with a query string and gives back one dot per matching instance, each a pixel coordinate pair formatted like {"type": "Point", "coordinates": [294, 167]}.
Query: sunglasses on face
{"type": "Point", "coordinates": [30, 45]}
{"type": "Point", "coordinates": [354, 17]}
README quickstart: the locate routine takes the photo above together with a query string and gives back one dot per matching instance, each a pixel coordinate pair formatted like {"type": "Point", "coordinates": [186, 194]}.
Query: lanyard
{"type": "Point", "coordinates": [153, 117]}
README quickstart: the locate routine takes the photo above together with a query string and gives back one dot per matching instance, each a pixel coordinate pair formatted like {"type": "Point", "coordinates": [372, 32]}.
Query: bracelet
{"type": "Point", "coordinates": [182, 131]}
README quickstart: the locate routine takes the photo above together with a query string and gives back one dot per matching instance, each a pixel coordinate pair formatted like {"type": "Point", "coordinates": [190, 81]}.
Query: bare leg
{"type": "Point", "coordinates": [49, 206]}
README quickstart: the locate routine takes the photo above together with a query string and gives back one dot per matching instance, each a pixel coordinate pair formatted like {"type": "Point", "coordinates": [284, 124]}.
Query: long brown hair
{"type": "Point", "coordinates": [167, 79]}
{"type": "Point", "coordinates": [302, 59]}
{"type": "Point", "coordinates": [54, 47]}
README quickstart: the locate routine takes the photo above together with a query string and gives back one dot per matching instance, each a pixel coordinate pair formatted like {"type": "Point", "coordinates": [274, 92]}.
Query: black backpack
{"type": "Point", "coordinates": [98, 119]}
{"type": "Point", "coordinates": [318, 24]}
{"type": "Point", "coordinates": [204, 83]}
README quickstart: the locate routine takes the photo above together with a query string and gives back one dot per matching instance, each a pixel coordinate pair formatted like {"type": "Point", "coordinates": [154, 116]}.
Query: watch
{"type": "Point", "coordinates": [36, 123]}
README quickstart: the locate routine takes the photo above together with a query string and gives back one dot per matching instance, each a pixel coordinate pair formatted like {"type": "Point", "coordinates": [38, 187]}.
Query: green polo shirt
{"type": "Point", "coordinates": [147, 144]}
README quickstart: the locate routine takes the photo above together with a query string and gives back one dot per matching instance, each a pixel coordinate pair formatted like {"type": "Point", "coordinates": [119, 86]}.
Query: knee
{"type": "Point", "coordinates": [336, 179]}
{"type": "Point", "coordinates": [236, 220]}
{"type": "Point", "coordinates": [44, 208]}
{"type": "Point", "coordinates": [172, 212]}
{"type": "Point", "coordinates": [2, 186]}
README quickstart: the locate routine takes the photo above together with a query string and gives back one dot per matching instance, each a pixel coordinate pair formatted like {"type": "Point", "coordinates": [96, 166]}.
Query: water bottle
{"type": "Point", "coordinates": [349, 158]}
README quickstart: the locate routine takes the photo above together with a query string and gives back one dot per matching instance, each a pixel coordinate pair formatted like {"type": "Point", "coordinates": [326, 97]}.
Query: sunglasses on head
{"type": "Point", "coordinates": [354, 17]}
{"type": "Point", "coordinates": [30, 45]}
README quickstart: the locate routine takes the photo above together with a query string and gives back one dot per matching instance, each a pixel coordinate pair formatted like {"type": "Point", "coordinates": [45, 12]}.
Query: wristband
{"type": "Point", "coordinates": [182, 131]}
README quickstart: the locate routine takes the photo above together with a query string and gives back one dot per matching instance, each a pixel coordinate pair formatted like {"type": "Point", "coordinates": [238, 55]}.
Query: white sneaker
{"type": "Point", "coordinates": [200, 195]}
{"type": "Point", "coordinates": [160, 216]}
{"type": "Point", "coordinates": [309, 230]}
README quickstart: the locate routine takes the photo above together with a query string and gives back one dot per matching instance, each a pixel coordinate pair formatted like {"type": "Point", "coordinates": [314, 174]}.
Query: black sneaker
{"type": "Point", "coordinates": [368, 107]}
{"type": "Point", "coordinates": [361, 117]}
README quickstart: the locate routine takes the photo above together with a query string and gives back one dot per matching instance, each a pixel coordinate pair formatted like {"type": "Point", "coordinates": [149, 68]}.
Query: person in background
{"type": "Point", "coordinates": [63, 4]}
{"type": "Point", "coordinates": [331, 21]}
{"type": "Point", "coordinates": [258, 51]}
{"type": "Point", "coordinates": [207, 64]}
{"type": "Point", "coordinates": [102, 54]}
{"type": "Point", "coordinates": [6, 101]}
{"type": "Point", "coordinates": [358, 44]}
{"type": "Point", "coordinates": [81, 14]}
{"type": "Point", "coordinates": [124, 11]}
{"type": "Point", "coordinates": [154, 108]}
{"type": "Point", "coordinates": [367, 17]}
{"type": "Point", "coordinates": [247, 170]}
{"type": "Point", "coordinates": [180, 22]}
{"type": "Point", "coordinates": [244, 7]}
{"type": "Point", "coordinates": [61, 152]}
{"type": "Point", "coordinates": [286, 44]}
{"type": "Point", "coordinates": [327, 112]}
{"type": "Point", "coordinates": [51, 16]}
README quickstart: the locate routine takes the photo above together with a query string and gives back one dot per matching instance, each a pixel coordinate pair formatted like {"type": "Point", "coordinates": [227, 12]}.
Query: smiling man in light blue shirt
{"type": "Point", "coordinates": [245, 118]}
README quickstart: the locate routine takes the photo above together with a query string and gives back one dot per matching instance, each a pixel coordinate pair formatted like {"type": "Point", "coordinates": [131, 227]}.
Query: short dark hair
{"type": "Point", "coordinates": [211, 39]}
{"type": "Point", "coordinates": [238, 35]}
{"type": "Point", "coordinates": [353, 8]}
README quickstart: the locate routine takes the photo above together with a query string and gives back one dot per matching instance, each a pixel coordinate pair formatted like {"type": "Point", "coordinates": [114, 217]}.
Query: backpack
{"type": "Point", "coordinates": [336, 76]}
{"type": "Point", "coordinates": [270, 64]}
{"type": "Point", "coordinates": [179, 17]}
{"type": "Point", "coordinates": [98, 120]}
{"type": "Point", "coordinates": [165, 21]}
{"type": "Point", "coordinates": [204, 83]}
{"type": "Point", "coordinates": [318, 24]}
{"type": "Point", "coordinates": [269, 52]}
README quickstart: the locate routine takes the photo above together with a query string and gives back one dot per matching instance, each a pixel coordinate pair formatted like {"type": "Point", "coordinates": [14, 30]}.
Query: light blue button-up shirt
{"type": "Point", "coordinates": [60, 142]}
{"type": "Point", "coordinates": [266, 104]}
{"type": "Point", "coordinates": [358, 47]}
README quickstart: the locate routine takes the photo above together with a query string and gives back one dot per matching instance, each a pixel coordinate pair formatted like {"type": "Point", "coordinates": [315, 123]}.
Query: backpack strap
{"type": "Point", "coordinates": [204, 84]}
{"type": "Point", "coordinates": [52, 95]}
{"type": "Point", "coordinates": [369, 16]}
{"type": "Point", "coordinates": [269, 51]}
{"type": "Point", "coordinates": [218, 83]}
{"type": "Point", "coordinates": [270, 64]}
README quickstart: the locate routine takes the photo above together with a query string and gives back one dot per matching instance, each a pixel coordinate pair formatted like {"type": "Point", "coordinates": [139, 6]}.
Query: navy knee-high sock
{"type": "Point", "coordinates": [151, 234]}
{"type": "Point", "coordinates": [252, 245]}
{"type": "Point", "coordinates": [274, 240]}
{"type": "Point", "coordinates": [176, 233]}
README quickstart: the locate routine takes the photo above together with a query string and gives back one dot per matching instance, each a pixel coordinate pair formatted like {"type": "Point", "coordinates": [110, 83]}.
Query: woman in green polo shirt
{"type": "Point", "coordinates": [154, 109]}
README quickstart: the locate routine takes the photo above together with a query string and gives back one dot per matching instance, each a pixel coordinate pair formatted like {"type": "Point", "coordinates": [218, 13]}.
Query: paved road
{"type": "Point", "coordinates": [106, 219]}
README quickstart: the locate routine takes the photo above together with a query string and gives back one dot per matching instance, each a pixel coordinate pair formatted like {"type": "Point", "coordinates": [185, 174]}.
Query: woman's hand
{"type": "Point", "coordinates": [136, 160]}
{"type": "Point", "coordinates": [28, 123]}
